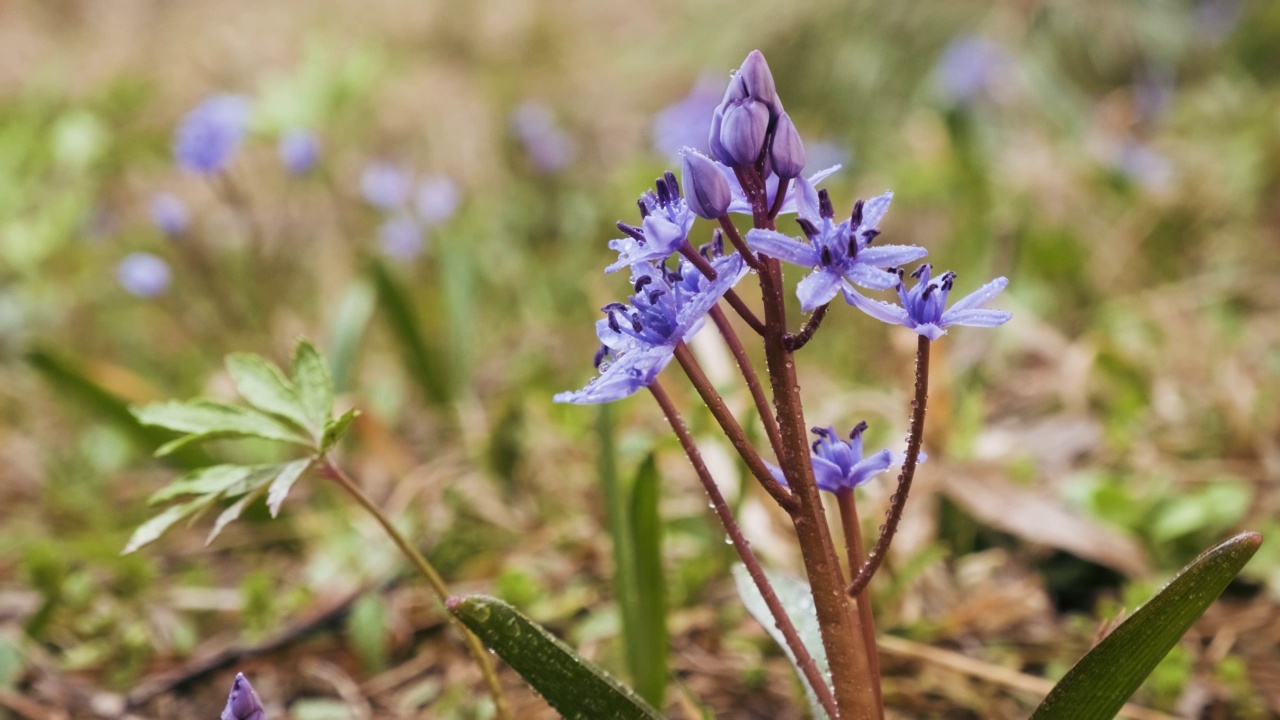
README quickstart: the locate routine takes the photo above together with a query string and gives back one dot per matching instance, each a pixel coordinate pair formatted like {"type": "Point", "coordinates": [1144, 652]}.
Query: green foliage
{"type": "Point", "coordinates": [295, 410]}
{"type": "Point", "coordinates": [423, 360]}
{"type": "Point", "coordinates": [1104, 679]}
{"type": "Point", "coordinates": [577, 688]}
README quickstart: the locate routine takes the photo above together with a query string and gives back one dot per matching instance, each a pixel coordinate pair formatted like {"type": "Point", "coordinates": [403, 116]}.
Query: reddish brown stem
{"type": "Point", "coordinates": [899, 499]}
{"type": "Point", "coordinates": [798, 340]}
{"type": "Point", "coordinates": [753, 381]}
{"type": "Point", "coordinates": [853, 548]}
{"type": "Point", "coordinates": [731, 428]}
{"type": "Point", "coordinates": [779, 198]}
{"type": "Point", "coordinates": [731, 231]}
{"type": "Point", "coordinates": [803, 659]}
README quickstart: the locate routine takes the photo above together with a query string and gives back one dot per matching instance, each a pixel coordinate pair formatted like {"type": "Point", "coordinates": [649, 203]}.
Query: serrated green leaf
{"type": "Point", "coordinates": [336, 428]}
{"type": "Point", "coordinates": [577, 688]}
{"type": "Point", "coordinates": [228, 515]}
{"type": "Point", "coordinates": [1104, 679]}
{"type": "Point", "coordinates": [263, 386]}
{"type": "Point", "coordinates": [148, 531]}
{"type": "Point", "coordinates": [283, 483]}
{"type": "Point", "coordinates": [215, 480]}
{"type": "Point", "coordinates": [315, 386]}
{"type": "Point", "coordinates": [649, 635]}
{"type": "Point", "coordinates": [206, 419]}
{"type": "Point", "coordinates": [797, 600]}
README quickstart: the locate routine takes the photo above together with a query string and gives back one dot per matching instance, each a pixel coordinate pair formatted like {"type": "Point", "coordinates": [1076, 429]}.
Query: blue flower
{"type": "Point", "coordinates": [299, 151]}
{"type": "Point", "coordinates": [143, 274]}
{"type": "Point", "coordinates": [838, 464]}
{"type": "Point", "coordinates": [401, 237]}
{"type": "Point", "coordinates": [666, 225]}
{"type": "Point", "coordinates": [210, 134]}
{"type": "Point", "coordinates": [169, 214]}
{"type": "Point", "coordinates": [922, 307]}
{"type": "Point", "coordinates": [243, 702]}
{"type": "Point", "coordinates": [385, 186]}
{"type": "Point", "coordinates": [437, 199]}
{"type": "Point", "coordinates": [836, 252]}
{"type": "Point", "coordinates": [968, 68]}
{"type": "Point", "coordinates": [637, 340]}
{"type": "Point", "coordinates": [550, 149]}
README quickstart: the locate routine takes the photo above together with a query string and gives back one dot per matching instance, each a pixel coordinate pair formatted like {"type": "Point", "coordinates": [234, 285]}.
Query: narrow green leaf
{"type": "Point", "coordinates": [336, 428]}
{"type": "Point", "coordinates": [263, 386]}
{"type": "Point", "coordinates": [207, 419]}
{"type": "Point", "coordinates": [423, 362]}
{"type": "Point", "coordinates": [227, 516]}
{"type": "Point", "coordinates": [347, 331]}
{"type": "Point", "coordinates": [617, 516]}
{"type": "Point", "coordinates": [214, 480]}
{"type": "Point", "coordinates": [797, 601]}
{"type": "Point", "coordinates": [1104, 679]}
{"type": "Point", "coordinates": [577, 688]}
{"type": "Point", "coordinates": [148, 531]}
{"type": "Point", "coordinates": [283, 483]}
{"type": "Point", "coordinates": [650, 636]}
{"type": "Point", "coordinates": [315, 387]}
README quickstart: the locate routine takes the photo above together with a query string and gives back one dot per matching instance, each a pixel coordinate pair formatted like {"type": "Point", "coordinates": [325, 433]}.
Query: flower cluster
{"type": "Point", "coordinates": [409, 213]}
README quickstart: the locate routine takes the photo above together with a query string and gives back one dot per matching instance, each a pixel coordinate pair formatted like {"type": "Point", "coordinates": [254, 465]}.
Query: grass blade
{"type": "Point", "coordinates": [647, 641]}
{"type": "Point", "coordinates": [424, 362]}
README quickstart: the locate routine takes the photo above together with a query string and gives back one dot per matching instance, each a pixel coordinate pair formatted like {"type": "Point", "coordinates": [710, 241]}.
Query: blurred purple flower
{"type": "Point", "coordinates": [639, 339]}
{"type": "Point", "coordinates": [836, 252]}
{"type": "Point", "coordinates": [386, 186]}
{"type": "Point", "coordinates": [299, 151]}
{"type": "Point", "coordinates": [243, 702]}
{"type": "Point", "coordinates": [209, 135]}
{"type": "Point", "coordinates": [969, 67]}
{"type": "Point", "coordinates": [170, 214]}
{"type": "Point", "coordinates": [1215, 20]}
{"type": "Point", "coordinates": [687, 122]}
{"type": "Point", "coordinates": [401, 237]}
{"type": "Point", "coordinates": [1141, 164]}
{"type": "Point", "coordinates": [437, 199]}
{"type": "Point", "coordinates": [825, 153]}
{"type": "Point", "coordinates": [923, 306]}
{"type": "Point", "coordinates": [550, 149]}
{"type": "Point", "coordinates": [143, 274]}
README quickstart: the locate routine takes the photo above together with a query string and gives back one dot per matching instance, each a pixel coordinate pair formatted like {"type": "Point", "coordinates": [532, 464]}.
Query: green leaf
{"type": "Point", "coordinates": [797, 602]}
{"type": "Point", "coordinates": [368, 627]}
{"type": "Point", "coordinates": [577, 688]}
{"type": "Point", "coordinates": [348, 328]}
{"type": "Point", "coordinates": [1104, 679]}
{"type": "Point", "coordinates": [148, 531]}
{"type": "Point", "coordinates": [205, 419]}
{"type": "Point", "coordinates": [283, 483]}
{"type": "Point", "coordinates": [215, 480]}
{"type": "Point", "coordinates": [263, 386]}
{"type": "Point", "coordinates": [228, 515]}
{"type": "Point", "coordinates": [423, 362]}
{"type": "Point", "coordinates": [315, 387]}
{"type": "Point", "coordinates": [647, 639]}
{"type": "Point", "coordinates": [336, 428]}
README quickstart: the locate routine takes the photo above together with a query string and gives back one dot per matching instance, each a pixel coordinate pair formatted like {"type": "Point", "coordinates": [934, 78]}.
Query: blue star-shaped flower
{"type": "Point", "coordinates": [922, 307]}
{"type": "Point", "coordinates": [639, 339]}
{"type": "Point", "coordinates": [836, 251]}
{"type": "Point", "coordinates": [838, 464]}
{"type": "Point", "coordinates": [666, 225]}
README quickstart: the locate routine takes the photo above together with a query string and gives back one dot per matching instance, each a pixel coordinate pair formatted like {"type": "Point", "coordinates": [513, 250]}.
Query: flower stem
{"type": "Point", "coordinates": [478, 653]}
{"type": "Point", "coordinates": [798, 340]}
{"type": "Point", "coordinates": [899, 499]}
{"type": "Point", "coordinates": [731, 428]}
{"type": "Point", "coordinates": [739, 244]}
{"type": "Point", "coordinates": [779, 197]}
{"type": "Point", "coordinates": [735, 301]}
{"type": "Point", "coordinates": [803, 659]}
{"type": "Point", "coordinates": [853, 547]}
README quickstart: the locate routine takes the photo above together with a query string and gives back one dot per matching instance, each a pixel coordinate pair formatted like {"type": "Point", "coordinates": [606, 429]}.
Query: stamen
{"type": "Point", "coordinates": [826, 256]}
{"type": "Point", "coordinates": [664, 195]}
{"type": "Point", "coordinates": [644, 208]}
{"type": "Point", "coordinates": [717, 242]}
{"type": "Point", "coordinates": [633, 232]}
{"type": "Point", "coordinates": [870, 235]}
{"type": "Point", "coordinates": [613, 322]}
{"type": "Point", "coordinates": [642, 281]}
{"type": "Point", "coordinates": [653, 296]}
{"type": "Point", "coordinates": [858, 429]}
{"type": "Point", "coordinates": [921, 270]}
{"type": "Point", "coordinates": [635, 322]}
{"type": "Point", "coordinates": [853, 246]}
{"type": "Point", "coordinates": [825, 209]}
{"type": "Point", "coordinates": [810, 230]}
{"type": "Point", "coordinates": [611, 307]}
{"type": "Point", "coordinates": [601, 353]}
{"type": "Point", "coordinates": [672, 186]}
{"type": "Point", "coordinates": [856, 218]}
{"type": "Point", "coordinates": [948, 279]}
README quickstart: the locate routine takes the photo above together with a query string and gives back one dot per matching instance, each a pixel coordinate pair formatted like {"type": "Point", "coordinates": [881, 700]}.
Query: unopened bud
{"type": "Point", "coordinates": [743, 129]}
{"type": "Point", "coordinates": [243, 702]}
{"type": "Point", "coordinates": [787, 153]}
{"type": "Point", "coordinates": [757, 80]}
{"type": "Point", "coordinates": [705, 189]}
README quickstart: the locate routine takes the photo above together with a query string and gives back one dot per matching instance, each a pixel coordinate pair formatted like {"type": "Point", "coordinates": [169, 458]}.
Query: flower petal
{"type": "Point", "coordinates": [883, 256]}
{"type": "Point", "coordinates": [729, 270]}
{"type": "Point", "coordinates": [635, 370]}
{"type": "Point", "coordinates": [874, 210]}
{"type": "Point", "coordinates": [828, 474]}
{"type": "Point", "coordinates": [979, 297]}
{"type": "Point", "coordinates": [775, 244]}
{"type": "Point", "coordinates": [882, 311]}
{"type": "Point", "coordinates": [806, 199]}
{"type": "Point", "coordinates": [869, 467]}
{"type": "Point", "coordinates": [929, 330]}
{"type": "Point", "coordinates": [870, 277]}
{"type": "Point", "coordinates": [977, 317]}
{"type": "Point", "coordinates": [789, 203]}
{"type": "Point", "coordinates": [818, 288]}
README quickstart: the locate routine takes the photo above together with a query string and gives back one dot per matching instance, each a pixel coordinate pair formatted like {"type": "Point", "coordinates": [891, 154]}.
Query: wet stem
{"type": "Point", "coordinates": [331, 470]}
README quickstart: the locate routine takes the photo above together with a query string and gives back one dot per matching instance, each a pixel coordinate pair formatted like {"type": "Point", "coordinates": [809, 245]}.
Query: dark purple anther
{"type": "Point", "coordinates": [825, 256]}
{"type": "Point", "coordinates": [633, 232]}
{"type": "Point", "coordinates": [640, 283]}
{"type": "Point", "coordinates": [810, 230]}
{"type": "Point", "coordinates": [601, 353]}
{"type": "Point", "coordinates": [855, 219]}
{"type": "Point", "coordinates": [825, 209]}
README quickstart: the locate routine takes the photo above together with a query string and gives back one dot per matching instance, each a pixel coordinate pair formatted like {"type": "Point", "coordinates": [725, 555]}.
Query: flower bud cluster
{"type": "Point", "coordinates": [750, 127]}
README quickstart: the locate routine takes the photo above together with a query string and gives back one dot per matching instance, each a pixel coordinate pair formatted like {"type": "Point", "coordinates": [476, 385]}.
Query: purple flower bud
{"type": "Point", "coordinates": [743, 129]}
{"type": "Point", "coordinates": [787, 152]}
{"type": "Point", "coordinates": [705, 190]}
{"type": "Point", "coordinates": [437, 200]}
{"type": "Point", "coordinates": [757, 80]}
{"type": "Point", "coordinates": [169, 214]}
{"type": "Point", "coordinates": [401, 237]}
{"type": "Point", "coordinates": [717, 150]}
{"type": "Point", "coordinates": [143, 274]}
{"type": "Point", "coordinates": [243, 702]}
{"type": "Point", "coordinates": [385, 186]}
{"type": "Point", "coordinates": [299, 151]}
{"type": "Point", "coordinates": [210, 134]}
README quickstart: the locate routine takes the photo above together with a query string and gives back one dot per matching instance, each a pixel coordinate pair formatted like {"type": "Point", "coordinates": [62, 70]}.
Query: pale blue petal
{"type": "Point", "coordinates": [870, 277]}
{"type": "Point", "coordinates": [869, 467]}
{"type": "Point", "coordinates": [777, 473]}
{"type": "Point", "coordinates": [817, 289]}
{"type": "Point", "coordinates": [663, 236]}
{"type": "Point", "coordinates": [977, 317]}
{"type": "Point", "coordinates": [635, 370]}
{"type": "Point", "coordinates": [883, 256]}
{"type": "Point", "coordinates": [729, 270]}
{"type": "Point", "coordinates": [775, 244]}
{"type": "Point", "coordinates": [882, 311]}
{"type": "Point", "coordinates": [789, 204]}
{"type": "Point", "coordinates": [806, 198]}
{"type": "Point", "coordinates": [979, 297]}
{"type": "Point", "coordinates": [874, 210]}
{"type": "Point", "coordinates": [828, 474]}
{"type": "Point", "coordinates": [929, 330]}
